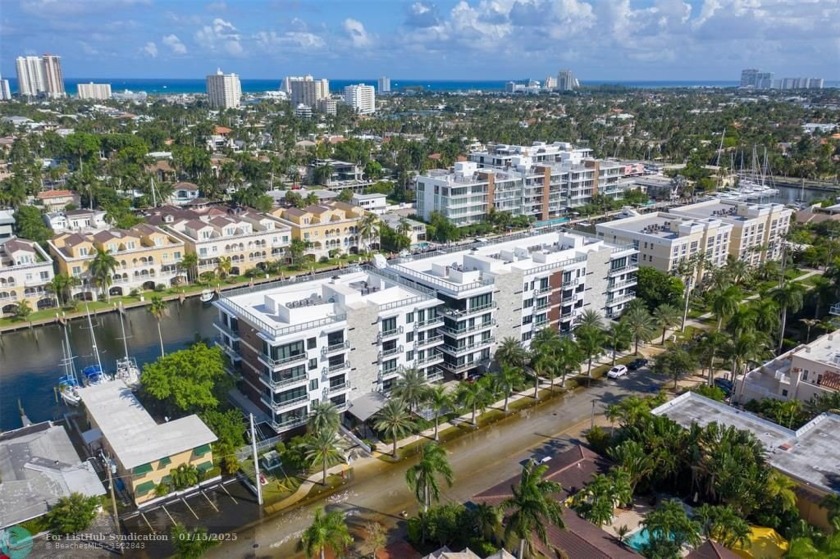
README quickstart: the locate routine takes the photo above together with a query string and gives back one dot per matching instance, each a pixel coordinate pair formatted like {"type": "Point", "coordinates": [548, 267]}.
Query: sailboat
{"type": "Point", "coordinates": [68, 384]}
{"type": "Point", "coordinates": [127, 369]}
{"type": "Point", "coordinates": [93, 374]}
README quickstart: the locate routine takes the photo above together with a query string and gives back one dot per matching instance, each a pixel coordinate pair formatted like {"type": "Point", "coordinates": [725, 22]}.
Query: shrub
{"type": "Point", "coordinates": [160, 287]}
{"type": "Point", "coordinates": [598, 439]}
{"type": "Point", "coordinates": [134, 292]}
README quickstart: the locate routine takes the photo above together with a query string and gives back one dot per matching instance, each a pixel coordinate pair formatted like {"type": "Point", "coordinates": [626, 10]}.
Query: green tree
{"type": "Point", "coordinates": [22, 310]}
{"type": "Point", "coordinates": [190, 544]}
{"type": "Point", "coordinates": [61, 285]}
{"type": "Point", "coordinates": [724, 525]}
{"type": "Point", "coordinates": [224, 267]}
{"type": "Point", "coordinates": [532, 507]}
{"type": "Point", "coordinates": [72, 514]}
{"type": "Point", "coordinates": [323, 416]}
{"type": "Point", "coordinates": [394, 419]}
{"type": "Point", "coordinates": [368, 228]}
{"type": "Point", "coordinates": [158, 309]}
{"type": "Point", "coordinates": [29, 224]}
{"type": "Point", "coordinates": [411, 388]}
{"type": "Point", "coordinates": [323, 447]}
{"type": "Point", "coordinates": [440, 401]}
{"type": "Point", "coordinates": [187, 381]}
{"type": "Point", "coordinates": [511, 354]}
{"type": "Point", "coordinates": [184, 476]}
{"type": "Point", "coordinates": [472, 396]}
{"type": "Point", "coordinates": [101, 270]}
{"type": "Point", "coordinates": [327, 531]}
{"type": "Point", "coordinates": [422, 478]}
{"type": "Point", "coordinates": [655, 287]}
{"type": "Point", "coordinates": [621, 336]}
{"type": "Point", "coordinates": [666, 316]}
{"type": "Point", "coordinates": [669, 528]}
{"type": "Point", "coordinates": [590, 340]}
{"type": "Point", "coordinates": [506, 380]}
{"type": "Point", "coordinates": [632, 458]}
{"type": "Point", "coordinates": [641, 325]}
{"type": "Point", "coordinates": [674, 364]}
{"type": "Point", "coordinates": [790, 298]}
{"type": "Point", "coordinates": [724, 303]}
{"type": "Point", "coordinates": [189, 264]}
{"type": "Point", "coordinates": [296, 250]}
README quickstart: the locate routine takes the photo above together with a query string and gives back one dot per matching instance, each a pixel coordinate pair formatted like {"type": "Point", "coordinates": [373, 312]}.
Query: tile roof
{"type": "Point", "coordinates": [54, 194]}
{"type": "Point", "coordinates": [712, 550]}
{"type": "Point", "coordinates": [185, 186]}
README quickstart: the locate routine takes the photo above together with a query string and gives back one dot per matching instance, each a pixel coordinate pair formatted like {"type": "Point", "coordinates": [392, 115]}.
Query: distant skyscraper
{"type": "Point", "coordinates": [53, 77]}
{"type": "Point", "coordinates": [749, 77]}
{"type": "Point", "coordinates": [764, 80]}
{"type": "Point", "coordinates": [361, 98]}
{"type": "Point", "coordinates": [815, 83]}
{"type": "Point", "coordinates": [5, 92]}
{"type": "Point", "coordinates": [92, 90]}
{"type": "Point", "coordinates": [384, 85]}
{"type": "Point", "coordinates": [306, 90]}
{"type": "Point", "coordinates": [30, 74]}
{"type": "Point", "coordinates": [566, 81]}
{"type": "Point", "coordinates": [550, 83]}
{"type": "Point", "coordinates": [223, 90]}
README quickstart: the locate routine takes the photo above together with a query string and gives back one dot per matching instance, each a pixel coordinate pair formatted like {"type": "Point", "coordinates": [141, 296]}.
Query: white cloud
{"type": "Point", "coordinates": [290, 40]}
{"type": "Point", "coordinates": [87, 49]}
{"type": "Point", "coordinates": [221, 36]}
{"type": "Point", "coordinates": [357, 33]}
{"type": "Point", "coordinates": [175, 44]}
{"type": "Point", "coordinates": [51, 9]}
{"type": "Point", "coordinates": [216, 7]}
{"type": "Point", "coordinates": [150, 49]}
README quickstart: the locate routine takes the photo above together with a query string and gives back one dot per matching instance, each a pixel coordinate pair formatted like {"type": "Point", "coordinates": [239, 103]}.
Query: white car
{"type": "Point", "coordinates": [617, 371]}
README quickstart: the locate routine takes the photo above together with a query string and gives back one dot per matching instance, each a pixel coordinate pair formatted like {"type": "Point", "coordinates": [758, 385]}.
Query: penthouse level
{"type": "Point", "coordinates": [517, 286]}
{"type": "Point", "coordinates": [333, 338]}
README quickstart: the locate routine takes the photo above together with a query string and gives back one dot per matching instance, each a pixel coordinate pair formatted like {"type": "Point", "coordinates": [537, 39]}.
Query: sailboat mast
{"type": "Point", "coordinates": [93, 339]}
{"type": "Point", "coordinates": [125, 340]}
{"type": "Point", "coordinates": [71, 365]}
{"type": "Point", "coordinates": [154, 196]}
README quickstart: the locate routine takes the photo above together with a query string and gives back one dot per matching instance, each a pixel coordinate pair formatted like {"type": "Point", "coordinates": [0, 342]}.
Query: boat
{"type": "Point", "coordinates": [94, 374]}
{"type": "Point", "coordinates": [207, 295]}
{"type": "Point", "coordinates": [68, 383]}
{"type": "Point", "coordinates": [127, 369]}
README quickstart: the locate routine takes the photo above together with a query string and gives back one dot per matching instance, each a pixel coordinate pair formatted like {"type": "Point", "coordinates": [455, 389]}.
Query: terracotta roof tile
{"type": "Point", "coordinates": [712, 550]}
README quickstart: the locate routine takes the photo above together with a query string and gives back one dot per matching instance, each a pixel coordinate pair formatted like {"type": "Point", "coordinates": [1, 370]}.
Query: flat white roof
{"type": "Point", "coordinates": [810, 454]}
{"type": "Point", "coordinates": [132, 433]}
{"type": "Point", "coordinates": [825, 349]}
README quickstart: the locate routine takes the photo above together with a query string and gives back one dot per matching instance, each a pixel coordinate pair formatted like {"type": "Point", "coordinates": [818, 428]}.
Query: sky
{"type": "Point", "coordinates": [446, 40]}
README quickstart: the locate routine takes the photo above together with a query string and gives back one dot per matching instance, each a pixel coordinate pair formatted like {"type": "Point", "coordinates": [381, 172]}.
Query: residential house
{"type": "Point", "coordinates": [183, 193]}
{"type": "Point", "coordinates": [7, 225]}
{"type": "Point", "coordinates": [416, 229]}
{"type": "Point", "coordinates": [53, 200]}
{"type": "Point", "coordinates": [26, 271]}
{"type": "Point", "coordinates": [328, 229]}
{"type": "Point", "coordinates": [76, 220]}
{"type": "Point", "coordinates": [375, 203]}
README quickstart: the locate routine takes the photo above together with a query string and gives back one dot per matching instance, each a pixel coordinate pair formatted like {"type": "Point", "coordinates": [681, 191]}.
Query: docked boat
{"type": "Point", "coordinates": [207, 295]}
{"type": "Point", "coordinates": [93, 374]}
{"type": "Point", "coordinates": [68, 383]}
{"type": "Point", "coordinates": [127, 369]}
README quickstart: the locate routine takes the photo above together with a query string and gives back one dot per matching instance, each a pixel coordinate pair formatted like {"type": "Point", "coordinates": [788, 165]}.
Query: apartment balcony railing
{"type": "Point", "coordinates": [567, 316]}
{"type": "Point", "coordinates": [540, 323]}
{"type": "Point", "coordinates": [541, 290]}
{"type": "Point", "coordinates": [335, 347]}
{"type": "Point", "coordinates": [389, 334]}
{"type": "Point", "coordinates": [283, 382]}
{"type": "Point", "coordinates": [335, 368]}
{"type": "Point", "coordinates": [428, 360]}
{"type": "Point", "coordinates": [541, 306]}
{"type": "Point", "coordinates": [455, 350]}
{"type": "Point", "coordinates": [622, 283]}
{"type": "Point", "coordinates": [279, 406]}
{"type": "Point", "coordinates": [428, 323]}
{"type": "Point", "coordinates": [276, 363]}
{"type": "Point", "coordinates": [435, 376]}
{"type": "Point", "coordinates": [631, 266]}
{"type": "Point", "coordinates": [288, 423]}
{"type": "Point", "coordinates": [467, 329]}
{"type": "Point", "coordinates": [428, 341]}
{"type": "Point", "coordinates": [456, 369]}
{"type": "Point", "coordinates": [388, 374]}
{"type": "Point", "coordinates": [234, 335]}
{"type": "Point", "coordinates": [229, 351]}
{"type": "Point", "coordinates": [389, 352]}
{"type": "Point", "coordinates": [617, 299]}
{"type": "Point", "coordinates": [572, 282]}
{"type": "Point", "coordinates": [458, 313]}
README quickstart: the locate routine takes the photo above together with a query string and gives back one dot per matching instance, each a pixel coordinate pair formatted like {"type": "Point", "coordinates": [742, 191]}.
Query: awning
{"type": "Point", "coordinates": [365, 406]}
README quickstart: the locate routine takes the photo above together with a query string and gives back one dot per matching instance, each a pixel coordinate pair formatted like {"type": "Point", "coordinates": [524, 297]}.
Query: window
{"type": "Point", "coordinates": [409, 318]}
{"type": "Point", "coordinates": [528, 303]}
{"type": "Point", "coordinates": [526, 336]}
{"type": "Point", "coordinates": [409, 337]}
{"type": "Point", "coordinates": [77, 270]}
{"type": "Point", "coordinates": [313, 364]}
{"type": "Point", "coordinates": [784, 393]}
{"type": "Point", "coordinates": [313, 384]}
{"type": "Point", "coordinates": [311, 343]}
{"type": "Point", "coordinates": [409, 355]}
{"type": "Point", "coordinates": [389, 324]}
{"type": "Point", "coordinates": [389, 366]}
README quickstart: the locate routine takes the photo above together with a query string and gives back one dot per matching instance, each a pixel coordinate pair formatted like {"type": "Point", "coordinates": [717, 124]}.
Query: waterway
{"type": "Point", "coordinates": [30, 360]}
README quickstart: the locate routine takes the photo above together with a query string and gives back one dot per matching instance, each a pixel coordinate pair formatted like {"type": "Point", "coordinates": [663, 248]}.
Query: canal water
{"type": "Point", "coordinates": [30, 360]}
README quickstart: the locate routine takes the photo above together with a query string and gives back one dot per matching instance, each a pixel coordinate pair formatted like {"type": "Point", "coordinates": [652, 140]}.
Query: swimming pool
{"type": "Point", "coordinates": [638, 539]}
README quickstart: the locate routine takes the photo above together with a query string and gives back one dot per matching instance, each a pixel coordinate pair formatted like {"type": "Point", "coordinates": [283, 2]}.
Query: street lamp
{"type": "Point", "coordinates": [592, 415]}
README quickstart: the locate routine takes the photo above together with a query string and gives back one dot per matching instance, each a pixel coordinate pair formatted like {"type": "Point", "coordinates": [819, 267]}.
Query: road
{"type": "Point", "coordinates": [480, 460]}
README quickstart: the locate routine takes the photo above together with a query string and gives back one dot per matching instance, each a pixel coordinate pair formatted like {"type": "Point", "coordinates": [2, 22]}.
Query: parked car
{"type": "Point", "coordinates": [617, 371]}
{"type": "Point", "coordinates": [725, 385]}
{"type": "Point", "coordinates": [637, 364]}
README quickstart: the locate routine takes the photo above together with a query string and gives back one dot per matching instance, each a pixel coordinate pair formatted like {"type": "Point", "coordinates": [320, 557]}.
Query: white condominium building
{"type": "Point", "coordinates": [384, 85]}
{"type": "Point", "coordinates": [518, 286]}
{"type": "Point", "coordinates": [98, 91]}
{"type": "Point", "coordinates": [541, 181]}
{"type": "Point", "coordinates": [341, 338]}
{"type": "Point", "coordinates": [224, 91]}
{"type": "Point", "coordinates": [25, 272]}
{"type": "Point", "coordinates": [5, 90]}
{"type": "Point", "coordinates": [53, 77]}
{"type": "Point", "coordinates": [30, 74]}
{"type": "Point", "coordinates": [306, 90]}
{"type": "Point", "coordinates": [566, 81]}
{"type": "Point", "coordinates": [361, 98]}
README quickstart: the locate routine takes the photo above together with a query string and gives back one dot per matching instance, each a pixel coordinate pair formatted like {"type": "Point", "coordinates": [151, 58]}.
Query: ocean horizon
{"type": "Point", "coordinates": [168, 86]}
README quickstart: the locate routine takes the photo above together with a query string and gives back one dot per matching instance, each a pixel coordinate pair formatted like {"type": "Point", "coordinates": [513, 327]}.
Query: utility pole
{"type": "Point", "coordinates": [687, 298]}
{"type": "Point", "coordinates": [592, 415]}
{"type": "Point", "coordinates": [256, 463]}
{"type": "Point", "coordinates": [110, 466]}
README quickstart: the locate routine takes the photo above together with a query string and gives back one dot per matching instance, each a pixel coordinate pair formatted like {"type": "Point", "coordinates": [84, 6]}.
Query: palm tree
{"type": "Point", "coordinates": [766, 311]}
{"type": "Point", "coordinates": [590, 319]}
{"type": "Point", "coordinates": [328, 531]}
{"type": "Point", "coordinates": [488, 520]}
{"type": "Point", "coordinates": [533, 506]}
{"type": "Point", "coordinates": [61, 285]}
{"type": "Point", "coordinates": [440, 400]}
{"type": "Point", "coordinates": [641, 325]}
{"type": "Point", "coordinates": [189, 264]}
{"type": "Point", "coordinates": [23, 310]}
{"type": "Point", "coordinates": [158, 309]}
{"type": "Point", "coordinates": [224, 266]}
{"type": "Point", "coordinates": [471, 395]}
{"type": "Point", "coordinates": [506, 379]}
{"type": "Point", "coordinates": [368, 228]}
{"type": "Point", "coordinates": [394, 420]}
{"type": "Point", "coordinates": [789, 297]}
{"type": "Point", "coordinates": [621, 336]}
{"type": "Point", "coordinates": [540, 368]}
{"type": "Point", "coordinates": [422, 477]}
{"type": "Point", "coordinates": [411, 388]}
{"type": "Point", "coordinates": [323, 416]}
{"type": "Point", "coordinates": [630, 456]}
{"type": "Point", "coordinates": [724, 302]}
{"type": "Point", "coordinates": [101, 270]}
{"type": "Point", "coordinates": [569, 358]}
{"type": "Point", "coordinates": [670, 528]}
{"type": "Point", "coordinates": [746, 347]}
{"type": "Point", "coordinates": [324, 448]}
{"type": "Point", "coordinates": [510, 353]}
{"type": "Point", "coordinates": [666, 316]}
{"type": "Point", "coordinates": [590, 340]}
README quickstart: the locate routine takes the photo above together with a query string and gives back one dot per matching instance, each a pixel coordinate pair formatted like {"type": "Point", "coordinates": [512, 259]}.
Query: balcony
{"type": "Point", "coordinates": [435, 376]}
{"type": "Point", "coordinates": [428, 323]}
{"type": "Point", "coordinates": [389, 374]}
{"type": "Point", "coordinates": [457, 369]}
{"type": "Point", "coordinates": [428, 341]}
{"type": "Point", "coordinates": [467, 329]}
{"type": "Point", "coordinates": [280, 406]}
{"type": "Point", "coordinates": [572, 282]}
{"type": "Point", "coordinates": [631, 266]}
{"type": "Point", "coordinates": [621, 283]}
{"type": "Point", "coordinates": [429, 360]}
{"type": "Point", "coordinates": [283, 382]}
{"type": "Point", "coordinates": [229, 351]}
{"type": "Point", "coordinates": [389, 334]}
{"type": "Point", "coordinates": [567, 316]}
{"type": "Point", "coordinates": [276, 363]}
{"type": "Point", "coordinates": [454, 350]}
{"type": "Point", "coordinates": [542, 306]}
{"type": "Point", "coordinates": [388, 353]}
{"type": "Point", "coordinates": [234, 335]}
{"type": "Point", "coordinates": [541, 290]}
{"type": "Point", "coordinates": [618, 299]}
{"type": "Point", "coordinates": [335, 347]}
{"type": "Point", "coordinates": [337, 388]}
{"type": "Point", "coordinates": [335, 368]}
{"type": "Point", "coordinates": [288, 424]}
{"type": "Point", "coordinates": [460, 313]}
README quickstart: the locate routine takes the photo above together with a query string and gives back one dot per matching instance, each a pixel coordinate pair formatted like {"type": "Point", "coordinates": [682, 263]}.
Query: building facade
{"type": "Point", "coordinates": [97, 91]}
{"type": "Point", "coordinates": [361, 98]}
{"type": "Point", "coordinates": [331, 338]}
{"type": "Point", "coordinates": [5, 90]}
{"type": "Point", "coordinates": [306, 90]}
{"type": "Point", "coordinates": [30, 75]}
{"type": "Point", "coordinates": [76, 220]}
{"type": "Point", "coordinates": [144, 452]}
{"type": "Point", "coordinates": [566, 81]}
{"type": "Point", "coordinates": [250, 239]}
{"type": "Point", "coordinates": [802, 373]}
{"type": "Point", "coordinates": [514, 288]}
{"type": "Point", "coordinates": [384, 85]}
{"type": "Point", "coordinates": [26, 271]}
{"type": "Point", "coordinates": [542, 181]}
{"type": "Point", "coordinates": [146, 257]}
{"type": "Point", "coordinates": [53, 76]}
{"type": "Point", "coordinates": [224, 91]}
{"type": "Point", "coordinates": [327, 229]}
